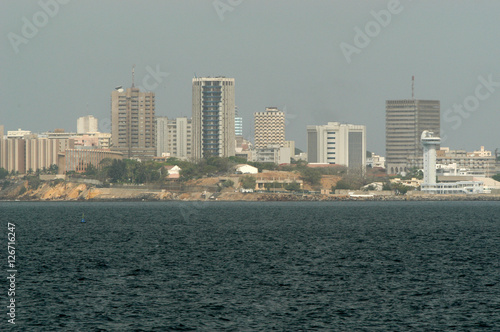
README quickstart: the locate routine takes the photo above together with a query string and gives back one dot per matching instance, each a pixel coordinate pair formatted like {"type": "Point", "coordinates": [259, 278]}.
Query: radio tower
{"type": "Point", "coordinates": [413, 87]}
{"type": "Point", "coordinates": [133, 75]}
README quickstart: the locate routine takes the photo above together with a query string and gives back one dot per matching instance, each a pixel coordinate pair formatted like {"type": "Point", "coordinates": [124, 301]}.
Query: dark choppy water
{"type": "Point", "coordinates": [341, 266]}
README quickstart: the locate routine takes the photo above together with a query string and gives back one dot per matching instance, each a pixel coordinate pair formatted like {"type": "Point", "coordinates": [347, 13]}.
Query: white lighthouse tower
{"type": "Point", "coordinates": [429, 143]}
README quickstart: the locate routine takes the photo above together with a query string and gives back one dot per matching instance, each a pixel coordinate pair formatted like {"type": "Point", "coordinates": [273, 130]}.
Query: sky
{"type": "Point", "coordinates": [319, 61]}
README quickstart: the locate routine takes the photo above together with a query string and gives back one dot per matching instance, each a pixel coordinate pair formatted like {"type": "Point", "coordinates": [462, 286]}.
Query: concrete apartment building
{"type": "Point", "coordinates": [13, 155]}
{"type": "Point", "coordinates": [405, 121]}
{"type": "Point", "coordinates": [213, 106]}
{"type": "Point", "coordinates": [460, 162]}
{"type": "Point", "coordinates": [133, 129]}
{"type": "Point", "coordinates": [86, 124]}
{"type": "Point", "coordinates": [269, 128]}
{"type": "Point", "coordinates": [335, 143]}
{"type": "Point", "coordinates": [173, 137]}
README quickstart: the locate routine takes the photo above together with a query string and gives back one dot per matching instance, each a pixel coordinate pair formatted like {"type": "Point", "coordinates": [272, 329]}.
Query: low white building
{"type": "Point", "coordinates": [460, 187]}
{"type": "Point", "coordinates": [173, 172]}
{"type": "Point", "coordinates": [246, 169]}
{"type": "Point", "coordinates": [375, 161]}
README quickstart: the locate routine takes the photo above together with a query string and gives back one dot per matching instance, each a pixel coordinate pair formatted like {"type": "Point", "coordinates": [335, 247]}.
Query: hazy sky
{"type": "Point", "coordinates": [286, 54]}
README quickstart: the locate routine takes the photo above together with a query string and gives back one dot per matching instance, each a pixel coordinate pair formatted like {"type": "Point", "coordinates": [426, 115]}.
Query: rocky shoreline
{"type": "Point", "coordinates": [68, 191]}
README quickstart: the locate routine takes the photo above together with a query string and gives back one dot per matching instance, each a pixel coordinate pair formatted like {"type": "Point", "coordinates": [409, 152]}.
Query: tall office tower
{"type": "Point", "coordinates": [405, 120]}
{"type": "Point", "coordinates": [335, 143]}
{"type": "Point", "coordinates": [173, 137]}
{"type": "Point", "coordinates": [269, 128]}
{"type": "Point", "coordinates": [133, 129]}
{"type": "Point", "coordinates": [213, 117]}
{"type": "Point", "coordinates": [86, 124]}
{"type": "Point", "coordinates": [1, 131]}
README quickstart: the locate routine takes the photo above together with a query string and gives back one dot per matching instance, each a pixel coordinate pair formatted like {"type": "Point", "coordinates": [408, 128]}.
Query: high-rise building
{"type": "Point", "coordinates": [335, 143]}
{"type": "Point", "coordinates": [238, 123]}
{"type": "Point", "coordinates": [173, 137]}
{"type": "Point", "coordinates": [13, 154]}
{"type": "Point", "coordinates": [86, 124]}
{"type": "Point", "coordinates": [213, 117]}
{"type": "Point", "coordinates": [238, 126]}
{"type": "Point", "coordinates": [269, 128]}
{"type": "Point", "coordinates": [133, 128]}
{"type": "Point", "coordinates": [1, 131]}
{"type": "Point", "coordinates": [405, 120]}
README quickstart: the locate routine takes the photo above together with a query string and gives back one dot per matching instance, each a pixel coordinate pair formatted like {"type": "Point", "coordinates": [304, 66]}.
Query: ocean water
{"type": "Point", "coordinates": [245, 266]}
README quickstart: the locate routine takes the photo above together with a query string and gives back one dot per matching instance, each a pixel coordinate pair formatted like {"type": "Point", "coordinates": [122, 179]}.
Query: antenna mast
{"type": "Point", "coordinates": [133, 74]}
{"type": "Point", "coordinates": [413, 87]}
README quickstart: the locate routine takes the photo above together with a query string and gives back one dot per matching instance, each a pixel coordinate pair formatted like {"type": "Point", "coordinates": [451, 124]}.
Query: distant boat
{"type": "Point", "coordinates": [83, 219]}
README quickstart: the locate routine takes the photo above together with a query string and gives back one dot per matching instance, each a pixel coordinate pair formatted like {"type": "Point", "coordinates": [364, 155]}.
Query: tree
{"type": "Point", "coordinates": [53, 169]}
{"type": "Point", "coordinates": [227, 184]}
{"type": "Point", "coordinates": [293, 186]}
{"type": "Point", "coordinates": [313, 176]}
{"type": "Point", "coordinates": [342, 184]}
{"type": "Point", "coordinates": [117, 171]}
{"type": "Point", "coordinates": [496, 177]}
{"type": "Point", "coordinates": [3, 173]}
{"type": "Point", "coordinates": [248, 182]}
{"type": "Point", "coordinates": [401, 188]}
{"type": "Point", "coordinates": [90, 170]}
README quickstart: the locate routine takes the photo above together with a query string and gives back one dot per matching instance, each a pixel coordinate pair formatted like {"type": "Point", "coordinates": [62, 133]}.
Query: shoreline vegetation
{"type": "Point", "coordinates": [73, 191]}
{"type": "Point", "coordinates": [218, 179]}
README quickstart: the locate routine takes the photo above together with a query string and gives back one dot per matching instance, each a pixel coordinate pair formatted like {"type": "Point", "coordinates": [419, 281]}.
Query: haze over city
{"type": "Point", "coordinates": [287, 54]}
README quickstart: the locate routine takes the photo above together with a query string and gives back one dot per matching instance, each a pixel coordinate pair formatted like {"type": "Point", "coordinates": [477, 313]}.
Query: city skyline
{"type": "Point", "coordinates": [327, 69]}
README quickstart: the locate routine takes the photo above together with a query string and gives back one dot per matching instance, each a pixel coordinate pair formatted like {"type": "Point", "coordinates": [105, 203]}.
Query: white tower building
{"type": "Point", "coordinates": [429, 143]}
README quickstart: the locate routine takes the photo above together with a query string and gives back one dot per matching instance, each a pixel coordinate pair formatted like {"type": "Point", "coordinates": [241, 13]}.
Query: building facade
{"type": "Point", "coordinates": [273, 154]}
{"type": "Point", "coordinates": [335, 143]}
{"type": "Point", "coordinates": [133, 129]}
{"type": "Point", "coordinates": [404, 124]}
{"type": "Point", "coordinates": [77, 160]}
{"type": "Point", "coordinates": [173, 137]}
{"type": "Point", "coordinates": [13, 155]}
{"type": "Point", "coordinates": [213, 106]}
{"type": "Point", "coordinates": [86, 124]}
{"type": "Point", "coordinates": [269, 128]}
{"type": "Point", "coordinates": [461, 162]}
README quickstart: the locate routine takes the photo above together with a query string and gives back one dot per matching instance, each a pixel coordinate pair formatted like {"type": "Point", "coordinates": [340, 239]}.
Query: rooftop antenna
{"type": "Point", "coordinates": [133, 74]}
{"type": "Point", "coordinates": [413, 87]}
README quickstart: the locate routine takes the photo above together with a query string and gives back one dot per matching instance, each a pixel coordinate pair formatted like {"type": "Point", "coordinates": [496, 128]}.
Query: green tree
{"type": "Point", "coordinates": [401, 189]}
{"type": "Point", "coordinates": [495, 177]}
{"type": "Point", "coordinates": [227, 184]}
{"type": "Point", "coordinates": [311, 175]}
{"type": "Point", "coordinates": [293, 186]}
{"type": "Point", "coordinates": [53, 169]}
{"type": "Point", "coordinates": [248, 182]}
{"type": "Point", "coordinates": [117, 171]}
{"type": "Point", "coordinates": [3, 173]}
{"type": "Point", "coordinates": [90, 170]}
{"type": "Point", "coordinates": [342, 184]}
